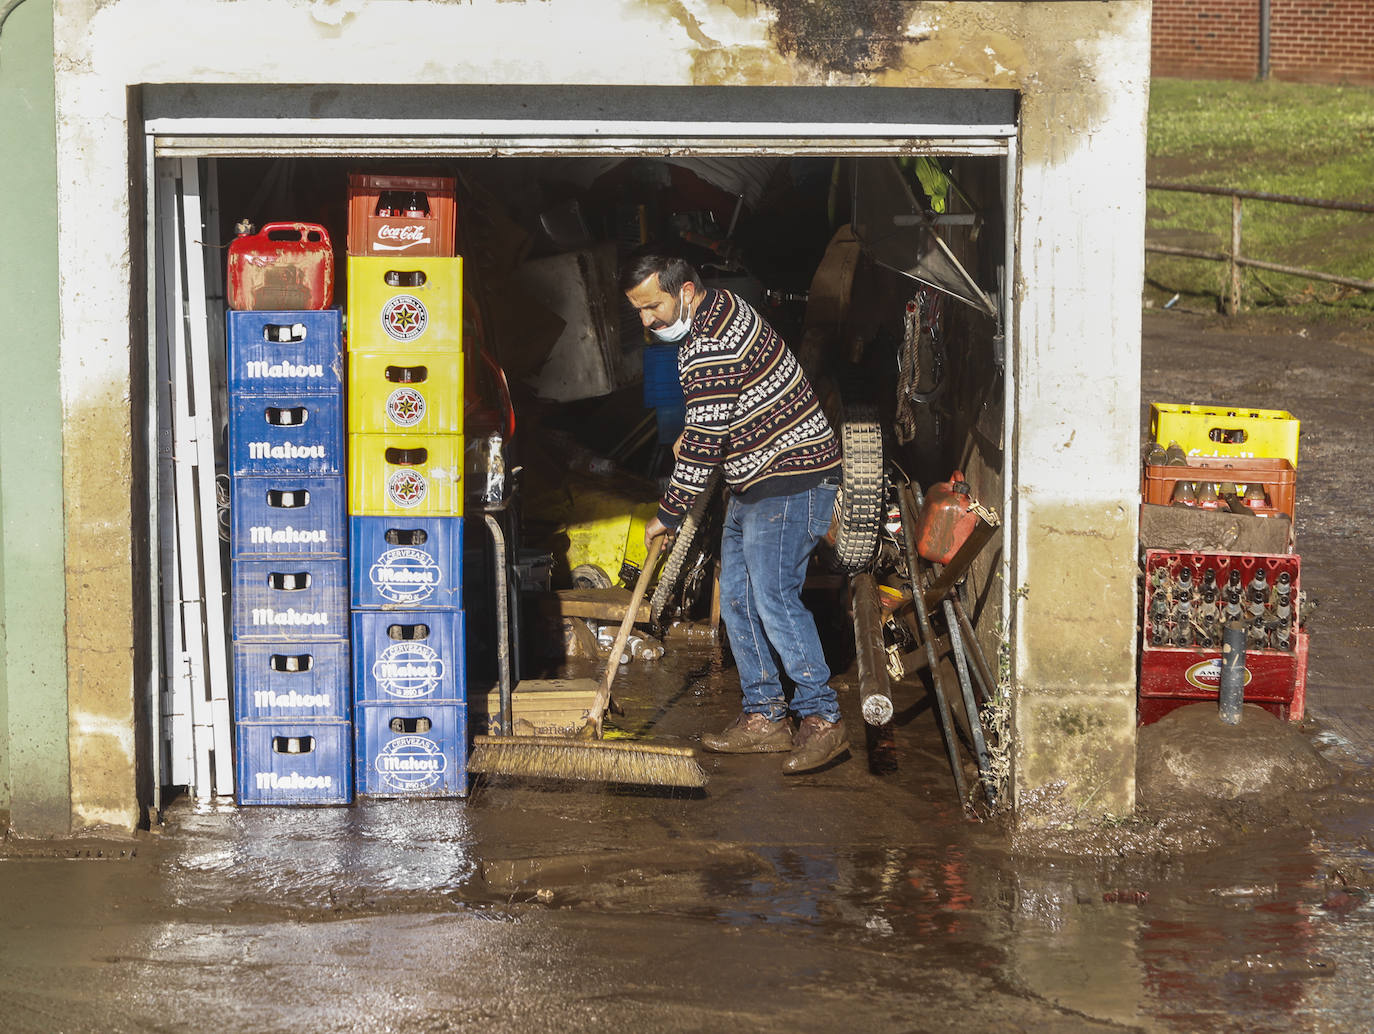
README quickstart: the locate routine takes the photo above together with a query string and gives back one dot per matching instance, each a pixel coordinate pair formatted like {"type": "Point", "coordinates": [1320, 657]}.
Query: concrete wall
{"type": "Point", "coordinates": [1082, 71]}
{"type": "Point", "coordinates": [33, 683]}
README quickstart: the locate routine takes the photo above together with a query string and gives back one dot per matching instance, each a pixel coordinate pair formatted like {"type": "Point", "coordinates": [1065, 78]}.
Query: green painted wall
{"type": "Point", "coordinates": [34, 758]}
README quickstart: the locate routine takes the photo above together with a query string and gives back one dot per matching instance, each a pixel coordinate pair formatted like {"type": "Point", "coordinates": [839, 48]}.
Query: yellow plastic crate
{"type": "Point", "coordinates": [405, 475]}
{"type": "Point", "coordinates": [1226, 431]}
{"type": "Point", "coordinates": [407, 392]}
{"type": "Point", "coordinates": [414, 304]}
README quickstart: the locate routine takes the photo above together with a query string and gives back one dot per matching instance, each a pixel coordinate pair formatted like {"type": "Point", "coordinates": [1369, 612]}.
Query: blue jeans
{"type": "Point", "coordinates": [764, 548]}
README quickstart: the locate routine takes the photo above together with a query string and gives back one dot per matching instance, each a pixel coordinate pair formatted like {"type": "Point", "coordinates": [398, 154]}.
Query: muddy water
{"type": "Point", "coordinates": [841, 899]}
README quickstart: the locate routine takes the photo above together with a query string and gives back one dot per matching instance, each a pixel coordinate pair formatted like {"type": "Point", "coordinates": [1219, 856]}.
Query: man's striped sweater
{"type": "Point", "coordinates": [749, 406]}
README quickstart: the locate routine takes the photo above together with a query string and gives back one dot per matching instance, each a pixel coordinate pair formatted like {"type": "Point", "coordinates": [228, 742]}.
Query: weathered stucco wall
{"type": "Point", "coordinates": [34, 787]}
{"type": "Point", "coordinates": [1082, 69]}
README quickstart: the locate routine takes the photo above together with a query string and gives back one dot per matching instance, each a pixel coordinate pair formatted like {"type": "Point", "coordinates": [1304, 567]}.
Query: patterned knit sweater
{"type": "Point", "coordinates": [749, 406]}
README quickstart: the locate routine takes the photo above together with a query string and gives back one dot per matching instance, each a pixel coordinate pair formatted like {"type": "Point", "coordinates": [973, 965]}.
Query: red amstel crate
{"type": "Point", "coordinates": [428, 234]}
{"type": "Point", "coordinates": [1174, 675]}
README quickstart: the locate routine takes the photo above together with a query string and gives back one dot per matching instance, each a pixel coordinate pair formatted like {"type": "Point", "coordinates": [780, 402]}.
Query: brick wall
{"type": "Point", "coordinates": [1329, 41]}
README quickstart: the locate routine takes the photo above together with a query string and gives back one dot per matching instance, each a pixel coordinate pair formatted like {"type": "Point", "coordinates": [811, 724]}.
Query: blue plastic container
{"type": "Point", "coordinates": [286, 434]}
{"type": "Point", "coordinates": [290, 599]}
{"type": "Point", "coordinates": [409, 656]}
{"type": "Point", "coordinates": [284, 516]}
{"type": "Point", "coordinates": [294, 763]}
{"type": "Point", "coordinates": [662, 387]}
{"type": "Point", "coordinates": [411, 750]}
{"type": "Point", "coordinates": [402, 563]}
{"type": "Point", "coordinates": [300, 681]}
{"type": "Point", "coordinates": [285, 353]}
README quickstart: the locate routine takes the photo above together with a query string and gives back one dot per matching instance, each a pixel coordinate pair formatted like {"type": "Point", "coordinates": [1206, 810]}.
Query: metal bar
{"type": "Point", "coordinates": [1273, 267]}
{"type": "Point", "coordinates": [1265, 38]}
{"type": "Point", "coordinates": [1233, 300]}
{"type": "Point", "coordinates": [502, 626]}
{"type": "Point", "coordinates": [1260, 195]}
{"type": "Point", "coordinates": [208, 554]}
{"type": "Point", "coordinates": [153, 459]}
{"type": "Point", "coordinates": [909, 507]}
{"type": "Point", "coordinates": [975, 719]}
{"type": "Point", "coordinates": [189, 661]}
{"type": "Point", "coordinates": [975, 652]}
{"type": "Point", "coordinates": [875, 691]}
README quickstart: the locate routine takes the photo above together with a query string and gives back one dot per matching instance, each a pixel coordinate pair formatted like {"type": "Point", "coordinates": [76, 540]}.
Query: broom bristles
{"type": "Point", "coordinates": [605, 761]}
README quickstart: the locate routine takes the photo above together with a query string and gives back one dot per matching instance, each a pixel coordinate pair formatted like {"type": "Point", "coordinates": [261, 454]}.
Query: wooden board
{"type": "Point", "coordinates": [540, 707]}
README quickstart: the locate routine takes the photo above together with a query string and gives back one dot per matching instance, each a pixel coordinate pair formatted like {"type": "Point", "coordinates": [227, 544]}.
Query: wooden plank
{"type": "Point", "coordinates": [608, 605]}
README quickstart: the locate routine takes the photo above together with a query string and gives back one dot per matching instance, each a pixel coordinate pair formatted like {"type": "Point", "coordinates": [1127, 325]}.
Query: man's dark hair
{"type": "Point", "coordinates": [649, 259]}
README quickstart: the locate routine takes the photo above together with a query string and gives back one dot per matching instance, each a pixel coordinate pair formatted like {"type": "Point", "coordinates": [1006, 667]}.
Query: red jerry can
{"type": "Point", "coordinates": [946, 520]}
{"type": "Point", "coordinates": [284, 266]}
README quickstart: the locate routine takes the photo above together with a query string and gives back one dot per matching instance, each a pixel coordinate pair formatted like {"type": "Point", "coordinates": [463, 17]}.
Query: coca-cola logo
{"type": "Point", "coordinates": [400, 233]}
{"type": "Point", "coordinates": [409, 235]}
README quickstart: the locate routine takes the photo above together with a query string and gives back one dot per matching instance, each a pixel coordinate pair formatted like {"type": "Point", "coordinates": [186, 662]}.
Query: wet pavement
{"type": "Point", "coordinates": [841, 899]}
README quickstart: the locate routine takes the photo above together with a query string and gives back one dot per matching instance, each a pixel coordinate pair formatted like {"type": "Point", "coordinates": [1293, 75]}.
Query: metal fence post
{"type": "Point", "coordinates": [1232, 305]}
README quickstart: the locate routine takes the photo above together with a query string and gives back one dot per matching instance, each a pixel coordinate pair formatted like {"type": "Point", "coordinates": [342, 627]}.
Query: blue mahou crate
{"type": "Point", "coordinates": [662, 387]}
{"type": "Point", "coordinates": [409, 656]}
{"type": "Point", "coordinates": [411, 750]}
{"type": "Point", "coordinates": [285, 516]}
{"type": "Point", "coordinates": [290, 599]}
{"type": "Point", "coordinates": [285, 353]}
{"type": "Point", "coordinates": [292, 681]}
{"type": "Point", "coordinates": [294, 762]}
{"type": "Point", "coordinates": [406, 563]}
{"type": "Point", "coordinates": [286, 434]}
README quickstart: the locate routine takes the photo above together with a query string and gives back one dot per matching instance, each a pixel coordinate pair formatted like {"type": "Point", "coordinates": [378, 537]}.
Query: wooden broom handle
{"type": "Point", "coordinates": [603, 692]}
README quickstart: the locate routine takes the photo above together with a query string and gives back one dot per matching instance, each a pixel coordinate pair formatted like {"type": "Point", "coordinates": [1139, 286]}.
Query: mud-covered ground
{"type": "Point", "coordinates": [842, 899]}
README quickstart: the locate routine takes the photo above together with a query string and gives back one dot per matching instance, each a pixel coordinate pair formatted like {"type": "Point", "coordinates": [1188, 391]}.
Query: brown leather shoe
{"type": "Point", "coordinates": [816, 743]}
{"type": "Point", "coordinates": [750, 734]}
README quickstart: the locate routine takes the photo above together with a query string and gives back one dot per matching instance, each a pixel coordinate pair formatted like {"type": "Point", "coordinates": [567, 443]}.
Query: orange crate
{"type": "Point", "coordinates": [380, 235]}
{"type": "Point", "coordinates": [1277, 477]}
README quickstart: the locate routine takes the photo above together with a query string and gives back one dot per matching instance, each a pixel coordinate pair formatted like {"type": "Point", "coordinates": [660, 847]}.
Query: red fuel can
{"type": "Point", "coordinates": [946, 520]}
{"type": "Point", "coordinates": [284, 266]}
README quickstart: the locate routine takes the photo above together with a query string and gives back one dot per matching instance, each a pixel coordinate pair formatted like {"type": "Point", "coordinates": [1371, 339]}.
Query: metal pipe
{"type": "Point", "coordinates": [908, 506]}
{"type": "Point", "coordinates": [1265, 37]}
{"type": "Point", "coordinates": [975, 652]}
{"type": "Point", "coordinates": [502, 626]}
{"type": "Point", "coordinates": [1231, 696]}
{"type": "Point", "coordinates": [975, 721]}
{"type": "Point", "coordinates": [1260, 195]}
{"type": "Point", "coordinates": [875, 691]}
{"type": "Point", "coordinates": [1273, 267]}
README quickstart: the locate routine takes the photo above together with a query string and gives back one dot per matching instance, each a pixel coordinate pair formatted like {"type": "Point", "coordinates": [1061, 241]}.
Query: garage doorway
{"type": "Point", "coordinates": [765, 188]}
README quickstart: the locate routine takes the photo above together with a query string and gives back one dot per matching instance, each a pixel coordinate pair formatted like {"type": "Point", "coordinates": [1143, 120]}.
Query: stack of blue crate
{"type": "Point", "coordinates": [288, 553]}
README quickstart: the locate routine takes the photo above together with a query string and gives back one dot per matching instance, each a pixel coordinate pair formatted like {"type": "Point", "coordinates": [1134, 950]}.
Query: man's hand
{"type": "Point", "coordinates": [654, 528]}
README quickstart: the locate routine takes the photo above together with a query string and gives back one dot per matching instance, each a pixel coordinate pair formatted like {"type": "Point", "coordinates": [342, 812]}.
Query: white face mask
{"type": "Point", "coordinates": [677, 330]}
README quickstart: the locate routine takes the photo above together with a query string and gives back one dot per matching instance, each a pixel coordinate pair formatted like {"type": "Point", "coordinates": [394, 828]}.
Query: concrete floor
{"type": "Point", "coordinates": [839, 899]}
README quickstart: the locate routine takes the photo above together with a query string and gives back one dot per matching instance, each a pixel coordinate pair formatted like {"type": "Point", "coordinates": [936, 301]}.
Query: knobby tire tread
{"type": "Point", "coordinates": [684, 545]}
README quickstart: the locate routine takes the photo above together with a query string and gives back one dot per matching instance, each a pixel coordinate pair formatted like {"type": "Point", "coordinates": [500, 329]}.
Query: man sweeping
{"type": "Point", "coordinates": [752, 412]}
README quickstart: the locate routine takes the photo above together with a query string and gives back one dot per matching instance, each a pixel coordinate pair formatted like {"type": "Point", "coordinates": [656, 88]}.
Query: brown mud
{"type": "Point", "coordinates": [847, 898]}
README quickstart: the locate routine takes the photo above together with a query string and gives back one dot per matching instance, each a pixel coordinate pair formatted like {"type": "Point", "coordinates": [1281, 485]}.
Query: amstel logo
{"type": "Point", "coordinates": [1207, 675]}
{"type": "Point", "coordinates": [404, 317]}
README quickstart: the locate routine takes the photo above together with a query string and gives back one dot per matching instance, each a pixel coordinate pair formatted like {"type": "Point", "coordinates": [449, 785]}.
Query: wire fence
{"type": "Point", "coordinates": [1236, 261]}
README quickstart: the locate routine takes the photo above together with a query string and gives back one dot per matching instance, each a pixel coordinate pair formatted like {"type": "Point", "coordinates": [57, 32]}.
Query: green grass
{"type": "Point", "coordinates": [1283, 138]}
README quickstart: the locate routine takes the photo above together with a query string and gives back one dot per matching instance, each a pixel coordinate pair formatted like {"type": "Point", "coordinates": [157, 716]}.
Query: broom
{"type": "Point", "coordinates": [586, 755]}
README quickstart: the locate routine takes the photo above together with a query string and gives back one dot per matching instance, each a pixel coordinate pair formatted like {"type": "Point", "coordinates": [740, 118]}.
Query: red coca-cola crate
{"type": "Point", "coordinates": [1277, 477]}
{"type": "Point", "coordinates": [284, 267]}
{"type": "Point", "coordinates": [1172, 674]}
{"type": "Point", "coordinates": [401, 215]}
